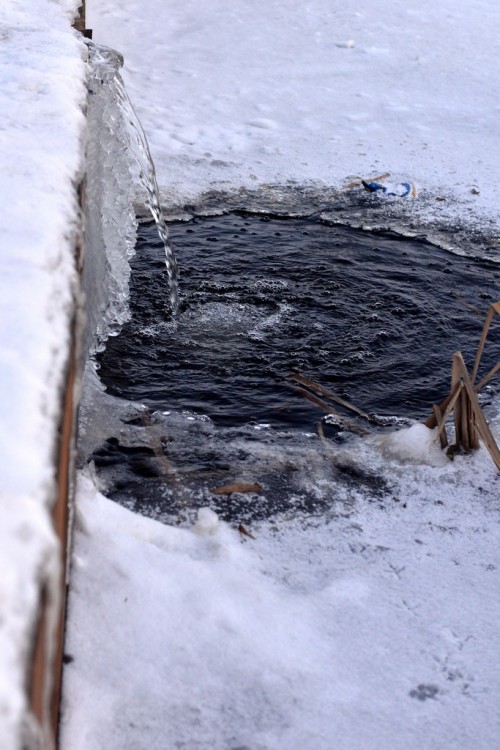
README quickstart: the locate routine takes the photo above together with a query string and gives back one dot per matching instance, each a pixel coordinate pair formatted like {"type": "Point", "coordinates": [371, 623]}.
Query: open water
{"type": "Point", "coordinates": [374, 318]}
{"type": "Point", "coordinates": [222, 393]}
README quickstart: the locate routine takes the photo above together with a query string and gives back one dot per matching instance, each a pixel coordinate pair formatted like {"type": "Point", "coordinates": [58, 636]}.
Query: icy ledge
{"type": "Point", "coordinates": [42, 95]}
{"type": "Point", "coordinates": [118, 161]}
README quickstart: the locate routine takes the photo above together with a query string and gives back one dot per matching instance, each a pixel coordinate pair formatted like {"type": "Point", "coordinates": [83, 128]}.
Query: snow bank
{"type": "Point", "coordinates": [42, 94]}
{"type": "Point", "coordinates": [372, 630]}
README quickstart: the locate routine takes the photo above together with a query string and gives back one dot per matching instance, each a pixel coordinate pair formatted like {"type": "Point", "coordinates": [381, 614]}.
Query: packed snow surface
{"type": "Point", "coordinates": [374, 627]}
{"type": "Point", "coordinates": [42, 95]}
{"type": "Point", "coordinates": [252, 92]}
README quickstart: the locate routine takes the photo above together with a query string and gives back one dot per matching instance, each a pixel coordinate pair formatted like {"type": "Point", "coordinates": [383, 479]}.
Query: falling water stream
{"type": "Point", "coordinates": [140, 148]}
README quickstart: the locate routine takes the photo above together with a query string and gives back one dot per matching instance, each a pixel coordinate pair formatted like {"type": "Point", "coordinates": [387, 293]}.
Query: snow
{"type": "Point", "coordinates": [41, 148]}
{"type": "Point", "coordinates": [374, 626]}
{"type": "Point", "coordinates": [372, 629]}
{"type": "Point", "coordinates": [252, 93]}
{"type": "Point", "coordinates": [417, 444]}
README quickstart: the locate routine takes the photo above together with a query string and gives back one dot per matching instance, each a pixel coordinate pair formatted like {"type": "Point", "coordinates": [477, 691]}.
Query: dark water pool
{"type": "Point", "coordinates": [373, 318]}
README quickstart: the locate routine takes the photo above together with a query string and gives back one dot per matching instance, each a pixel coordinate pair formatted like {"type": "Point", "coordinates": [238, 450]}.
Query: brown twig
{"type": "Point", "coordinates": [343, 421]}
{"type": "Point", "coordinates": [244, 532]}
{"type": "Point", "coordinates": [328, 394]}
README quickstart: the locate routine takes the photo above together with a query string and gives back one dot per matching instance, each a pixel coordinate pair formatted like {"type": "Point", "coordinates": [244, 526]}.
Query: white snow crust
{"type": "Point", "coordinates": [374, 629]}
{"type": "Point", "coordinates": [42, 95]}
{"type": "Point", "coordinates": [252, 92]}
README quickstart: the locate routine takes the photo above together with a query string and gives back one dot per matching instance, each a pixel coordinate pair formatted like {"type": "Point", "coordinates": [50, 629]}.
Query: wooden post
{"type": "Point", "coordinates": [459, 405]}
{"type": "Point", "coordinates": [79, 22]}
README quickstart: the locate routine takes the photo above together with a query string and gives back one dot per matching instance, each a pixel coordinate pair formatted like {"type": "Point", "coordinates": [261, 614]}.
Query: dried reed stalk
{"type": "Point", "coordinates": [470, 422]}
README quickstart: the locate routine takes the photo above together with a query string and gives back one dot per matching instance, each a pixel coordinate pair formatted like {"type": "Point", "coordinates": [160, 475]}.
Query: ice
{"type": "Point", "coordinates": [326, 88]}
{"type": "Point", "coordinates": [110, 223]}
{"type": "Point", "coordinates": [118, 161]}
{"type": "Point", "coordinates": [221, 641]}
{"type": "Point", "coordinates": [417, 444]}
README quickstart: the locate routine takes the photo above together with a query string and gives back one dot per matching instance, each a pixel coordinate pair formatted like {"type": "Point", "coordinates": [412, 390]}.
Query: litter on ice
{"type": "Point", "coordinates": [405, 189]}
{"type": "Point", "coordinates": [399, 189]}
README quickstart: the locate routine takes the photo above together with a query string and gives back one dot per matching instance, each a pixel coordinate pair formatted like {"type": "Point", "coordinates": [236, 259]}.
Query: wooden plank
{"type": "Point", "coordinates": [451, 402]}
{"type": "Point", "coordinates": [444, 409]}
{"type": "Point", "coordinates": [44, 683]}
{"type": "Point", "coordinates": [65, 472]}
{"type": "Point", "coordinates": [431, 420]}
{"type": "Point", "coordinates": [41, 667]}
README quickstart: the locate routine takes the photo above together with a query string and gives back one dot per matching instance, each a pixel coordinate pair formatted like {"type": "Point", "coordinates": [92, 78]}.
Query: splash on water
{"type": "Point", "coordinates": [118, 159]}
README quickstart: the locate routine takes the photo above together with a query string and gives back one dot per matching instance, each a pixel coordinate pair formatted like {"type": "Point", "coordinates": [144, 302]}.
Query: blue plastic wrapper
{"type": "Point", "coordinates": [398, 189]}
